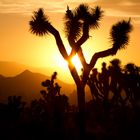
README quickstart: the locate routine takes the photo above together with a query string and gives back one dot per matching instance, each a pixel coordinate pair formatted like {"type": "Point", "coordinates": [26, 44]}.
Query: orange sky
{"type": "Point", "coordinates": [19, 45]}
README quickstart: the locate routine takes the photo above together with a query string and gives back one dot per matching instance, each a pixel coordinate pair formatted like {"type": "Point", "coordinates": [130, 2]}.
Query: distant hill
{"type": "Point", "coordinates": [8, 68]}
{"type": "Point", "coordinates": [12, 69]}
{"type": "Point", "coordinates": [19, 79]}
{"type": "Point", "coordinates": [28, 85]}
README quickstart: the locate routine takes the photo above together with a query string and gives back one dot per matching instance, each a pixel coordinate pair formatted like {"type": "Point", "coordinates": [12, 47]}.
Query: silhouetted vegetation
{"type": "Point", "coordinates": [78, 24]}
{"type": "Point", "coordinates": [115, 103]}
{"type": "Point", "coordinates": [112, 113]}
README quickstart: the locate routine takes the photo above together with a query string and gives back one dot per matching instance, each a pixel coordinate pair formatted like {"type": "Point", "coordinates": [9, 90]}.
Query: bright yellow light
{"type": "Point", "coordinates": [76, 62]}
{"type": "Point", "coordinates": [61, 63]}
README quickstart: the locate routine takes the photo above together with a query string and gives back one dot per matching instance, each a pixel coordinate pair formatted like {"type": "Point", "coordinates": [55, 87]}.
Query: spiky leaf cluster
{"type": "Point", "coordinates": [82, 12]}
{"type": "Point", "coordinates": [39, 23]}
{"type": "Point", "coordinates": [95, 17]}
{"type": "Point", "coordinates": [75, 19]}
{"type": "Point", "coordinates": [72, 24]}
{"type": "Point", "coordinates": [119, 34]}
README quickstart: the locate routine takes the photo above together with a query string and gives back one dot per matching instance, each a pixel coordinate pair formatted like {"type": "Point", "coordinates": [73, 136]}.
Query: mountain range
{"type": "Point", "coordinates": [8, 68]}
{"type": "Point", "coordinates": [28, 85]}
{"type": "Point", "coordinates": [25, 81]}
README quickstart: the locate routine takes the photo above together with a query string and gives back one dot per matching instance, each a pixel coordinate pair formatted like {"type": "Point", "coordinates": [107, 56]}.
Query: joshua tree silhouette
{"type": "Point", "coordinates": [56, 103]}
{"type": "Point", "coordinates": [78, 23]}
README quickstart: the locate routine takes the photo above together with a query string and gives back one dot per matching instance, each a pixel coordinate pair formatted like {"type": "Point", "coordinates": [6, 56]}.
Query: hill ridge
{"type": "Point", "coordinates": [28, 85]}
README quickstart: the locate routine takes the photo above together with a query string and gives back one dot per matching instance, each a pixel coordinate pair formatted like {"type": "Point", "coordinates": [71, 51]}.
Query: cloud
{"type": "Point", "coordinates": [27, 6]}
{"type": "Point", "coordinates": [126, 8]}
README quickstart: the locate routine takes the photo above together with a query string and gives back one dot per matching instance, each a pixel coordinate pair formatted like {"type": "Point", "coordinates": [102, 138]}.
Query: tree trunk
{"type": "Point", "coordinates": [80, 97]}
{"type": "Point", "coordinates": [81, 107]}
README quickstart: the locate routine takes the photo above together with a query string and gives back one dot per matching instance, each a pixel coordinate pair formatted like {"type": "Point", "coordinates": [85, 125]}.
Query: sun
{"type": "Point", "coordinates": [76, 62]}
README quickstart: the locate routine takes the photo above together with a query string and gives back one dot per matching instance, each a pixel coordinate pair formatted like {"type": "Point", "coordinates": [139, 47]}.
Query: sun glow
{"type": "Point", "coordinates": [76, 62]}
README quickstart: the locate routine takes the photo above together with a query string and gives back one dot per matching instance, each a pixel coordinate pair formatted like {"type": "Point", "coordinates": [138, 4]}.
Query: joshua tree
{"type": "Point", "coordinates": [132, 82]}
{"type": "Point", "coordinates": [78, 23]}
{"type": "Point", "coordinates": [15, 107]}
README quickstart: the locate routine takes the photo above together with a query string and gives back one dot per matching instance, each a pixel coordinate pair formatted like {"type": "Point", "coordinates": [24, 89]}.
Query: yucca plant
{"type": "Point", "coordinates": [79, 17]}
{"type": "Point", "coordinates": [78, 23]}
{"type": "Point", "coordinates": [119, 34]}
{"type": "Point", "coordinates": [39, 23]}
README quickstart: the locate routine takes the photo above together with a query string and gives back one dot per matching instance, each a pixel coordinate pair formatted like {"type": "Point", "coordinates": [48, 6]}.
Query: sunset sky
{"type": "Point", "coordinates": [19, 45]}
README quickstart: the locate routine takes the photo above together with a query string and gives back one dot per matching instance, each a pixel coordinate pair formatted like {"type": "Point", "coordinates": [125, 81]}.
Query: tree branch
{"type": "Point", "coordinates": [101, 54]}
{"type": "Point", "coordinates": [76, 46]}
{"type": "Point", "coordinates": [77, 49]}
{"type": "Point", "coordinates": [59, 42]}
{"type": "Point", "coordinates": [85, 35]}
{"type": "Point", "coordinates": [73, 72]}
{"type": "Point", "coordinates": [63, 52]}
